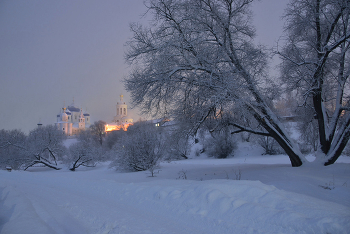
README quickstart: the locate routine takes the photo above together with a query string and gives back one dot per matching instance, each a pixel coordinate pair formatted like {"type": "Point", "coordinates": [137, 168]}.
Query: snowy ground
{"type": "Point", "coordinates": [191, 196]}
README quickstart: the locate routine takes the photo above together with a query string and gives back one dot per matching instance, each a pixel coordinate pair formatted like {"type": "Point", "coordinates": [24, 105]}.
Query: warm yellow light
{"type": "Point", "coordinates": [110, 128]}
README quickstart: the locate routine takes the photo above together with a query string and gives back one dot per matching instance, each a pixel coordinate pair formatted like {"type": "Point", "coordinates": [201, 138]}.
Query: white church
{"type": "Point", "coordinates": [72, 120]}
{"type": "Point", "coordinates": [121, 119]}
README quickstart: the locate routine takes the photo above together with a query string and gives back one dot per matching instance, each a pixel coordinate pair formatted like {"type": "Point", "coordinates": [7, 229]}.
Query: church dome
{"type": "Point", "coordinates": [73, 109]}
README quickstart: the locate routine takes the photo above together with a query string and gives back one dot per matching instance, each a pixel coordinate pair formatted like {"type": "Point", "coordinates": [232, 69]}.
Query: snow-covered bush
{"type": "Point", "coordinates": [140, 149]}
{"type": "Point", "coordinates": [220, 145]}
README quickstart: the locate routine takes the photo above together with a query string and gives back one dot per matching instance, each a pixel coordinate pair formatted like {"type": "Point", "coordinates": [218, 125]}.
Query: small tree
{"type": "Point", "coordinates": [140, 149]}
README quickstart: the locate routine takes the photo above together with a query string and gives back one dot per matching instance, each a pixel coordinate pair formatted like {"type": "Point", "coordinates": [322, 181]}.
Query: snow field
{"type": "Point", "coordinates": [101, 200]}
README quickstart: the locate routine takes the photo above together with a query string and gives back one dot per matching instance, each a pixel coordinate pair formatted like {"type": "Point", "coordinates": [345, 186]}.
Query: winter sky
{"type": "Point", "coordinates": [52, 52]}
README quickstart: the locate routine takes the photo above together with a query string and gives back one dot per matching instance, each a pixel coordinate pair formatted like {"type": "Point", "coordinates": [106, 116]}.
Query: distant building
{"type": "Point", "coordinates": [72, 120]}
{"type": "Point", "coordinates": [121, 119]}
{"type": "Point", "coordinates": [162, 122]}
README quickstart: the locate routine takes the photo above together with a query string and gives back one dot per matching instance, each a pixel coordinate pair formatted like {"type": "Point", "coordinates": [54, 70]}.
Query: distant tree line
{"type": "Point", "coordinates": [45, 146]}
{"type": "Point", "coordinates": [142, 147]}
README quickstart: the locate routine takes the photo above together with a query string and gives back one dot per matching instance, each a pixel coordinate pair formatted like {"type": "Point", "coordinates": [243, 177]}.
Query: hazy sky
{"type": "Point", "coordinates": [54, 51]}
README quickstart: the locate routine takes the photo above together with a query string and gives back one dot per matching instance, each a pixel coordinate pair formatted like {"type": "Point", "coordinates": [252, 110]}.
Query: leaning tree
{"type": "Point", "coordinates": [198, 59]}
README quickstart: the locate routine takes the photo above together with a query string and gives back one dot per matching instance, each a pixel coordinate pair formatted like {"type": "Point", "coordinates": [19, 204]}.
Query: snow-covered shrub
{"type": "Point", "coordinates": [220, 145]}
{"type": "Point", "coordinates": [140, 149]}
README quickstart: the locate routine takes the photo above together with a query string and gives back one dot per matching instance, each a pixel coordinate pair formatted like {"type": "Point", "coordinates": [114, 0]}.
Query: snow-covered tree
{"type": "Point", "coordinates": [85, 152]}
{"type": "Point", "coordinates": [97, 129]}
{"type": "Point", "coordinates": [112, 138]}
{"type": "Point", "coordinates": [140, 148]}
{"type": "Point", "coordinates": [44, 146]}
{"type": "Point", "coordinates": [198, 58]}
{"type": "Point", "coordinates": [12, 148]}
{"type": "Point", "coordinates": [316, 64]}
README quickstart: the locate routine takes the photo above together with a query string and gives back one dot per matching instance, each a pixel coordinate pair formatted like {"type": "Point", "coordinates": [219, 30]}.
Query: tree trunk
{"type": "Point", "coordinates": [293, 156]}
